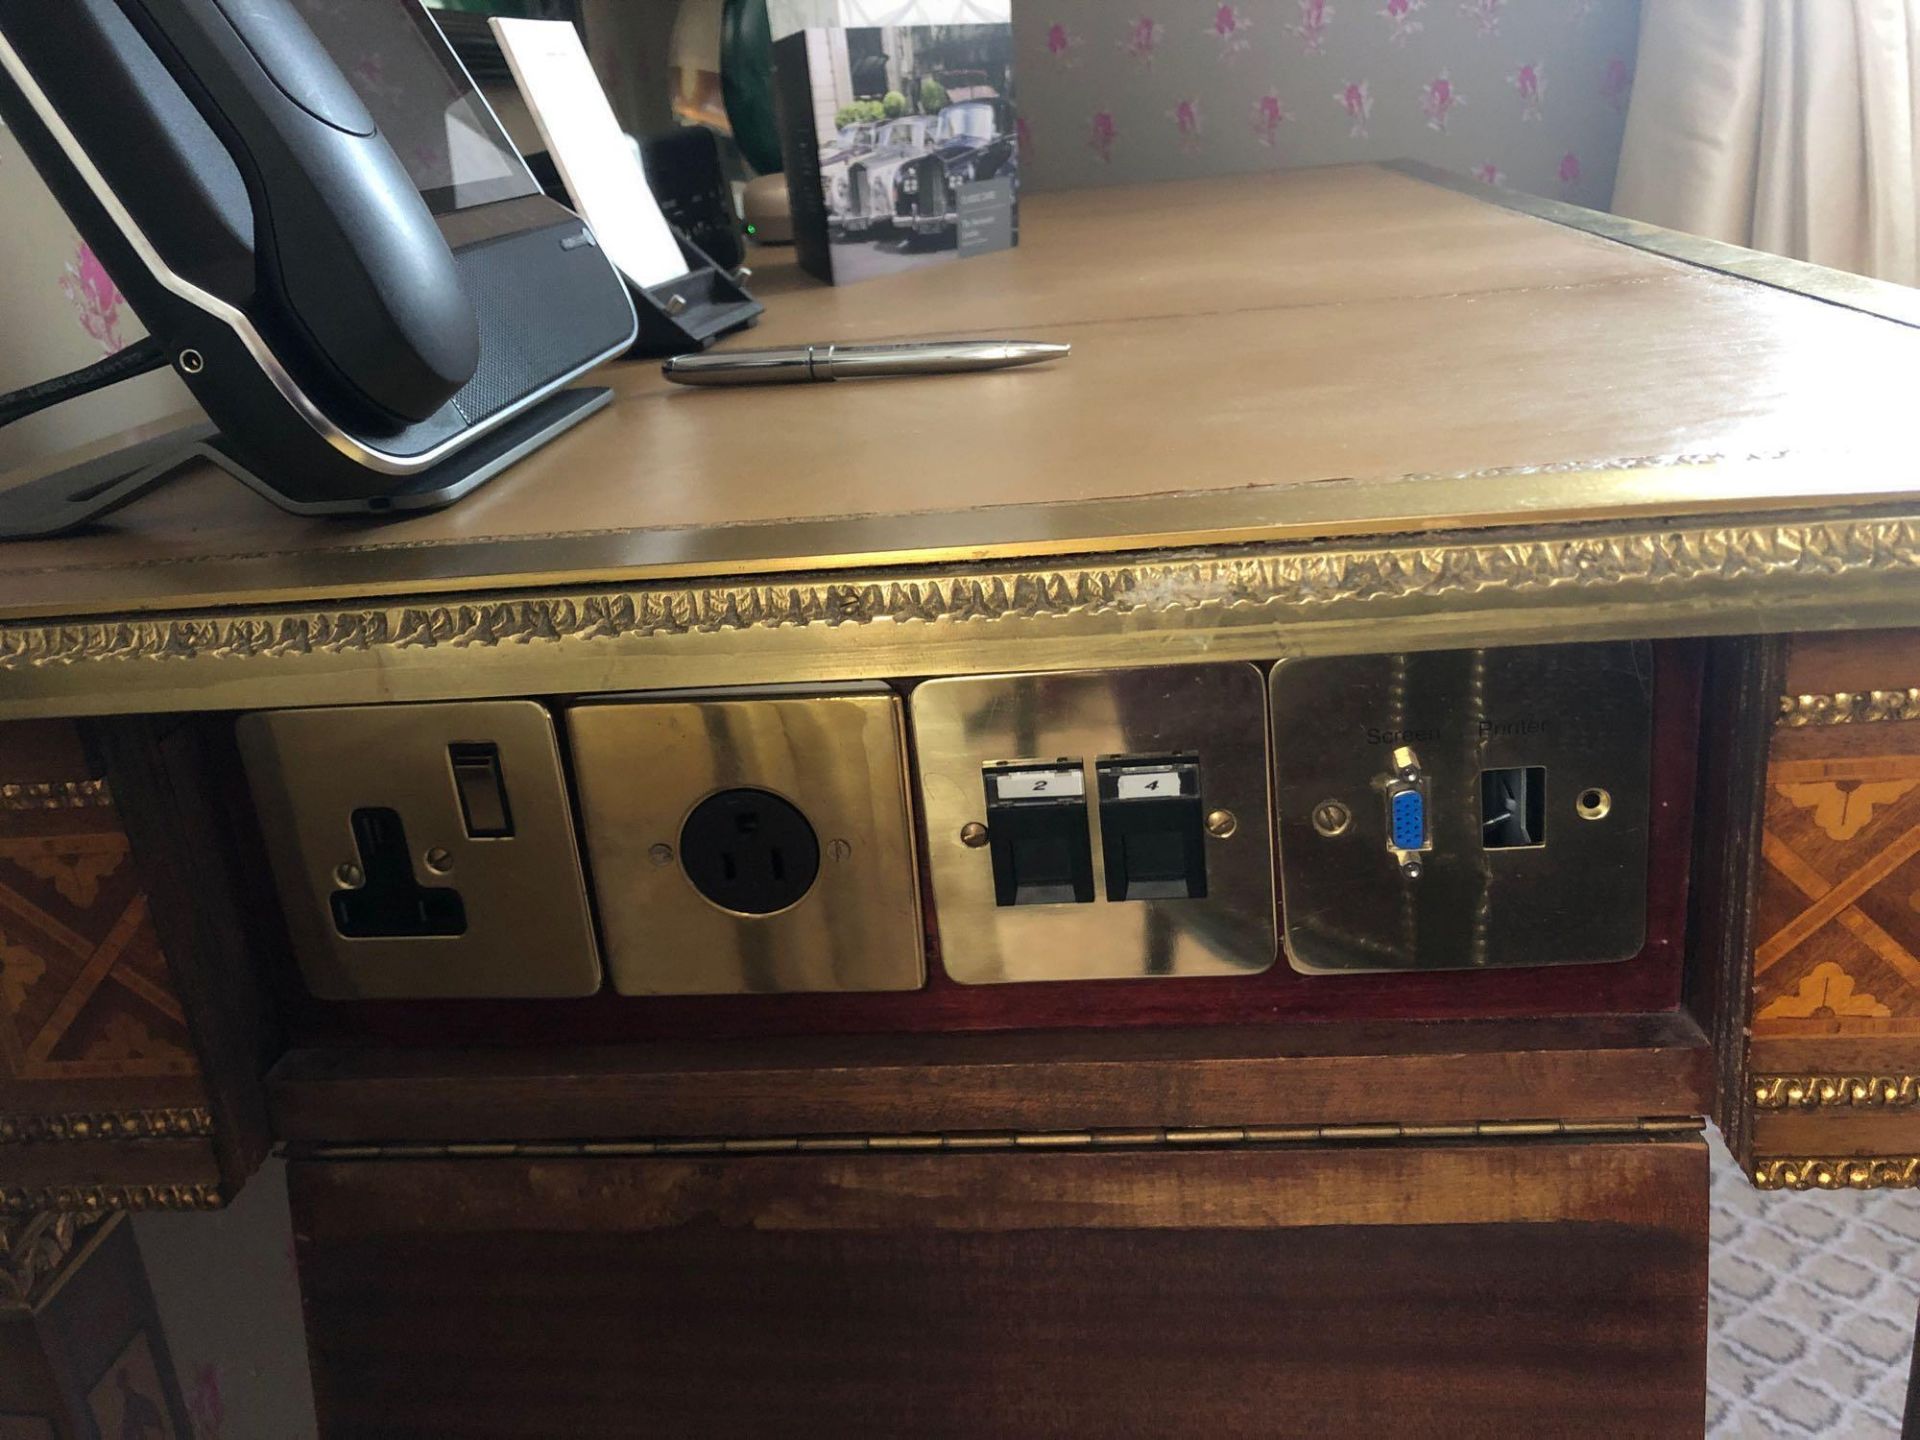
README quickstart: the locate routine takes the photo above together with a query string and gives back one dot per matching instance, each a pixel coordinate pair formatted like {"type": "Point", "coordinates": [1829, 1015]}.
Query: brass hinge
{"type": "Point", "coordinates": [1181, 1138]}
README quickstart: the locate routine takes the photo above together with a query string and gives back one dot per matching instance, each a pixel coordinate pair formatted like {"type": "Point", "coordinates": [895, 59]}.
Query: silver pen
{"type": "Point", "coordinates": [792, 364]}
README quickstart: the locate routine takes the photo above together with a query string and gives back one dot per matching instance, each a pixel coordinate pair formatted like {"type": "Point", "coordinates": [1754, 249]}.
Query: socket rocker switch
{"type": "Point", "coordinates": [482, 791]}
{"type": "Point", "coordinates": [404, 868]}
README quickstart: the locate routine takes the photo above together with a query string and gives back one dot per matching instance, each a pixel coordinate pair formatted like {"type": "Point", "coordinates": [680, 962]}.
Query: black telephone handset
{"type": "Point", "coordinates": [349, 257]}
{"type": "Point", "coordinates": [324, 229]}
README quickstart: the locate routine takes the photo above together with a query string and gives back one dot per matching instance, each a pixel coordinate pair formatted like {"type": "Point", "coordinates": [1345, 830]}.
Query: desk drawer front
{"type": "Point", "coordinates": [1202, 1294]}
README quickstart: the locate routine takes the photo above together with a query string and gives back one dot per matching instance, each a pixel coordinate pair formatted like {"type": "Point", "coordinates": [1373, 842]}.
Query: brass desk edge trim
{"type": "Point", "coordinates": [1881, 298]}
{"type": "Point", "coordinates": [1252, 602]}
{"type": "Point", "coordinates": [1453, 509]}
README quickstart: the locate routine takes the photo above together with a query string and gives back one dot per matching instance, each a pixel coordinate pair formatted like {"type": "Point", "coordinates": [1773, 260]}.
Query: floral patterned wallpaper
{"type": "Point", "coordinates": [1526, 93]}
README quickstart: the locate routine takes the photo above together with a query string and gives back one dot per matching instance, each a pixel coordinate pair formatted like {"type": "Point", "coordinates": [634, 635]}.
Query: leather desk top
{"type": "Point", "coordinates": [1346, 352]}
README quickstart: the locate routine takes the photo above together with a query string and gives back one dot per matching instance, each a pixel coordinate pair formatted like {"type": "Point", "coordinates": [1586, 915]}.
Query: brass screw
{"type": "Point", "coordinates": [1331, 817]}
{"type": "Point", "coordinates": [348, 876]}
{"type": "Point", "coordinates": [660, 854]}
{"type": "Point", "coordinates": [838, 851]}
{"type": "Point", "coordinates": [1221, 823]}
{"type": "Point", "coordinates": [973, 834]}
{"type": "Point", "coordinates": [438, 860]}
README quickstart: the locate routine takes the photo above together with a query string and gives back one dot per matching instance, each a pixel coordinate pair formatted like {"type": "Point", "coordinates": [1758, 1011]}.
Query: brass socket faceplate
{"type": "Point", "coordinates": [643, 765]}
{"type": "Point", "coordinates": [1581, 713]}
{"type": "Point", "coordinates": [1213, 713]}
{"type": "Point", "coordinates": [528, 932]}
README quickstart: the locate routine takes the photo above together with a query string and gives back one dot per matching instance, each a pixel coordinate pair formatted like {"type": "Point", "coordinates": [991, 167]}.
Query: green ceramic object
{"type": "Point", "coordinates": [746, 81]}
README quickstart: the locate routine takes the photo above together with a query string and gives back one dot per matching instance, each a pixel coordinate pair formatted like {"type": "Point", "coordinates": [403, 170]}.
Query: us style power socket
{"type": "Point", "coordinates": [423, 850]}
{"type": "Point", "coordinates": [751, 842]}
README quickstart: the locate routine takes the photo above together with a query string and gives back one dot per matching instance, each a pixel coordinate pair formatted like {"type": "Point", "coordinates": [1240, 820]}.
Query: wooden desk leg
{"type": "Point", "coordinates": [1911, 1429]}
{"type": "Point", "coordinates": [81, 1350]}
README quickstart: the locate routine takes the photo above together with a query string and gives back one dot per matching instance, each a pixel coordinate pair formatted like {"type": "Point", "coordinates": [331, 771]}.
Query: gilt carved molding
{"type": "Point", "coordinates": [183, 1122]}
{"type": "Point", "coordinates": [1849, 707]}
{"type": "Point", "coordinates": [1297, 578]}
{"type": "Point", "coordinates": [1875, 1172]}
{"type": "Point", "coordinates": [34, 1247]}
{"type": "Point", "coordinates": [56, 795]}
{"type": "Point", "coordinates": [190, 1195]}
{"type": "Point", "coordinates": [1815, 1092]}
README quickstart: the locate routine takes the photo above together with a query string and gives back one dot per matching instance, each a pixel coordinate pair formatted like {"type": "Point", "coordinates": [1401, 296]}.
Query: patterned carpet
{"type": "Point", "coordinates": [1812, 1310]}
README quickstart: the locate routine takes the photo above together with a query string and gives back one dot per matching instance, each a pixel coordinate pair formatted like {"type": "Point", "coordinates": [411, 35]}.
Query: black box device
{"type": "Point", "coordinates": [320, 221]}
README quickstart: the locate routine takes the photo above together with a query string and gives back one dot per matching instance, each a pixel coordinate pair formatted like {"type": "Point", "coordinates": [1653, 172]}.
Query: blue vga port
{"type": "Point", "coordinates": [1407, 818]}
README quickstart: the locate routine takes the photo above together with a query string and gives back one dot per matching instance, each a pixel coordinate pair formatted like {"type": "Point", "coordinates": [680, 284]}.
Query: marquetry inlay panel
{"type": "Point", "coordinates": [102, 1101]}
{"type": "Point", "coordinates": [1836, 952]}
{"type": "Point", "coordinates": [84, 990]}
{"type": "Point", "coordinates": [1837, 938]}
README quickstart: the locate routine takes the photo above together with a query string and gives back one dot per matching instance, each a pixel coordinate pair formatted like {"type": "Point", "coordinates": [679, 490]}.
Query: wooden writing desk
{"type": "Point", "coordinates": [1332, 412]}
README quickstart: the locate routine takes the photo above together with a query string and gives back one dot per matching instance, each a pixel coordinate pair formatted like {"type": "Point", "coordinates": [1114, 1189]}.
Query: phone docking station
{"type": "Point", "coordinates": [366, 292]}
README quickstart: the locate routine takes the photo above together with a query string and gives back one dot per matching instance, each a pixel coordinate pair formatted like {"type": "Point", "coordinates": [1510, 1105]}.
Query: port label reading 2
{"type": "Point", "coordinates": [1039, 784]}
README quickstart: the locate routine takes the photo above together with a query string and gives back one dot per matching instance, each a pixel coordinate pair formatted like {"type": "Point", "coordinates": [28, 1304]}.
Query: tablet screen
{"type": "Point", "coordinates": [422, 99]}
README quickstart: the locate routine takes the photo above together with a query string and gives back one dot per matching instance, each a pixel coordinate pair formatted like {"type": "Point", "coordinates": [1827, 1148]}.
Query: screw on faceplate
{"type": "Point", "coordinates": [973, 834]}
{"type": "Point", "coordinates": [348, 876]}
{"type": "Point", "coordinates": [838, 851]}
{"type": "Point", "coordinates": [660, 854]}
{"type": "Point", "coordinates": [1411, 869]}
{"type": "Point", "coordinates": [438, 860]}
{"type": "Point", "coordinates": [1331, 817]}
{"type": "Point", "coordinates": [1221, 823]}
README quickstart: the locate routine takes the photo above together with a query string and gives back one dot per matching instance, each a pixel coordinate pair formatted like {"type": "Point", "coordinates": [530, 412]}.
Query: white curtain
{"type": "Point", "coordinates": [1785, 125]}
